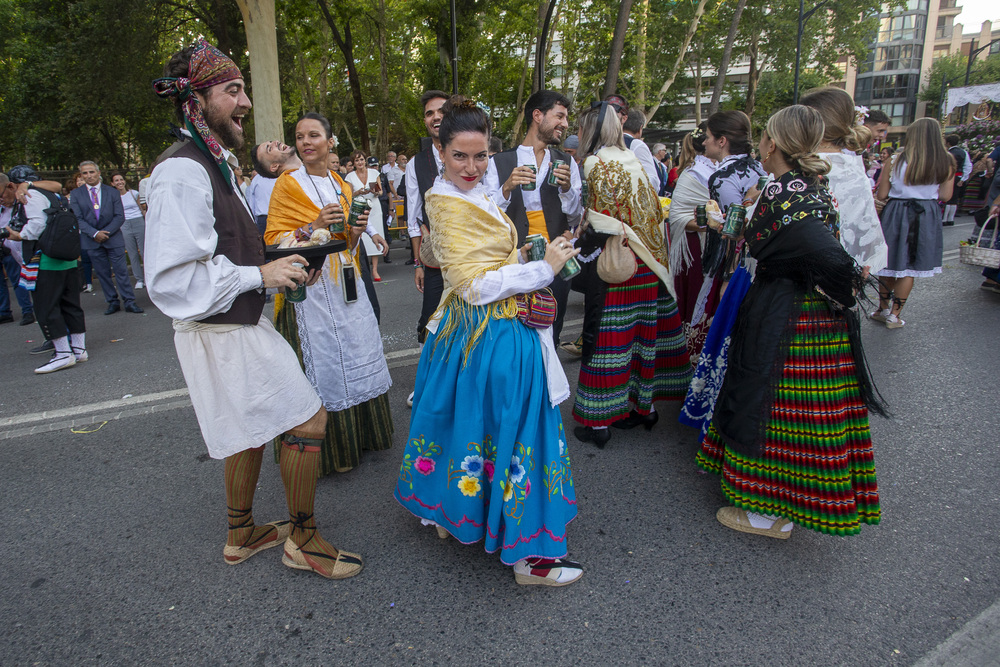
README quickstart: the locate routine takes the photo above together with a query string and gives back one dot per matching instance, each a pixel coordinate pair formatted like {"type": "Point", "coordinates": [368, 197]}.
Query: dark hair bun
{"type": "Point", "coordinates": [462, 115]}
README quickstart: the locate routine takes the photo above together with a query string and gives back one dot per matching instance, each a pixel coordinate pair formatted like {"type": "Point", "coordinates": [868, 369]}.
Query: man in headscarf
{"type": "Point", "coordinates": [205, 264]}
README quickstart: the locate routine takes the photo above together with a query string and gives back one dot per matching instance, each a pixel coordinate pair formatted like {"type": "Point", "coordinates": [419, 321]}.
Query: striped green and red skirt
{"type": "Point", "coordinates": [640, 356]}
{"type": "Point", "coordinates": [816, 467]}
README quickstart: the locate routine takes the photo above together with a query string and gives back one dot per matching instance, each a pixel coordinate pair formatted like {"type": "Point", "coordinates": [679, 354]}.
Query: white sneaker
{"type": "Point", "coordinates": [88, 288]}
{"type": "Point", "coordinates": [409, 400]}
{"type": "Point", "coordinates": [80, 355]}
{"type": "Point", "coordinates": [546, 572]}
{"type": "Point", "coordinates": [57, 363]}
{"type": "Point", "coordinates": [140, 285]}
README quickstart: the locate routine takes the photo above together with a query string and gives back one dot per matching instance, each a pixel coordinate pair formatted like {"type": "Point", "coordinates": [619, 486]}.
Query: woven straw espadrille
{"type": "Point", "coordinates": [735, 518]}
{"type": "Point", "coordinates": [346, 566]}
{"type": "Point", "coordinates": [236, 555]}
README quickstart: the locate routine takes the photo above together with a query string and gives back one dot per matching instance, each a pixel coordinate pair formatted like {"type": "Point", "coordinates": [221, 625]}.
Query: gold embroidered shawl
{"type": "Point", "coordinates": [620, 192]}
{"type": "Point", "coordinates": [468, 242]}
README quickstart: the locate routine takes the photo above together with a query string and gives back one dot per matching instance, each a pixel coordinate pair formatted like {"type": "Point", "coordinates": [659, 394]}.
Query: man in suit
{"type": "Point", "coordinates": [99, 210]}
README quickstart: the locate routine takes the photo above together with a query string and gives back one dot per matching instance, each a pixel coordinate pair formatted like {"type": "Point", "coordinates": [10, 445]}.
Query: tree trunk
{"type": "Point", "coordinates": [516, 130]}
{"type": "Point", "coordinates": [727, 53]}
{"type": "Point", "coordinates": [697, 89]}
{"type": "Point", "coordinates": [382, 130]}
{"type": "Point", "coordinates": [262, 43]}
{"type": "Point", "coordinates": [617, 48]}
{"type": "Point", "coordinates": [346, 46]}
{"type": "Point", "coordinates": [754, 78]}
{"type": "Point", "coordinates": [641, 76]}
{"type": "Point", "coordinates": [308, 99]}
{"type": "Point", "coordinates": [681, 56]}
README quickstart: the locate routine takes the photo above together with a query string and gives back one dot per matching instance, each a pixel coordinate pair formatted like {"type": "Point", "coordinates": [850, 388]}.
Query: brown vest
{"type": "Point", "coordinates": [239, 239]}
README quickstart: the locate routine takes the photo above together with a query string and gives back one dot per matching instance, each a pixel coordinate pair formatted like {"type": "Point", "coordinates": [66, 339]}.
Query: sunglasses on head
{"type": "Point", "coordinates": [616, 107]}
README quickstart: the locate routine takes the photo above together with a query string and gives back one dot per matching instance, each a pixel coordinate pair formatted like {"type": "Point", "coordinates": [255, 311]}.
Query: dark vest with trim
{"type": "Point", "coordinates": [239, 239]}
{"type": "Point", "coordinates": [426, 170]}
{"type": "Point", "coordinates": [555, 220]}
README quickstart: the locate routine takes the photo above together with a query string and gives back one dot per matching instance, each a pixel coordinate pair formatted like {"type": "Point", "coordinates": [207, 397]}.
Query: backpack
{"type": "Point", "coordinates": [61, 238]}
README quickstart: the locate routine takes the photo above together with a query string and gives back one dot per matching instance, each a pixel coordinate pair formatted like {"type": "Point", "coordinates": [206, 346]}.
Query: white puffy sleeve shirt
{"type": "Point", "coordinates": [184, 279]}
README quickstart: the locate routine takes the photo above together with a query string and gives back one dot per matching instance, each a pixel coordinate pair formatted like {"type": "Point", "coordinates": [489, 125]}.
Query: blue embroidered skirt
{"type": "Point", "coordinates": [707, 383]}
{"type": "Point", "coordinates": [486, 456]}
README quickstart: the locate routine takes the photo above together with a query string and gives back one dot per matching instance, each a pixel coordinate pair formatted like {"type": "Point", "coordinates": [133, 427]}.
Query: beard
{"type": "Point", "coordinates": [220, 122]}
{"type": "Point", "coordinates": [548, 134]}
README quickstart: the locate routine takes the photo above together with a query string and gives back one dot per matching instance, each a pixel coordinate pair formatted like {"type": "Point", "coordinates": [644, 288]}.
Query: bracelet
{"type": "Point", "coordinates": [417, 264]}
{"type": "Point", "coordinates": [304, 232]}
{"type": "Point", "coordinates": [261, 271]}
{"type": "Point", "coordinates": [747, 202]}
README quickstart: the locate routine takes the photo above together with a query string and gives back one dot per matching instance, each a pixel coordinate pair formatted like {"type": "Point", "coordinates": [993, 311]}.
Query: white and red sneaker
{"type": "Point", "coordinates": [546, 572]}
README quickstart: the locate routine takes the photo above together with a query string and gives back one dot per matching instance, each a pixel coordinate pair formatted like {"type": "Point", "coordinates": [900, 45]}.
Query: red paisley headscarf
{"type": "Point", "coordinates": [208, 67]}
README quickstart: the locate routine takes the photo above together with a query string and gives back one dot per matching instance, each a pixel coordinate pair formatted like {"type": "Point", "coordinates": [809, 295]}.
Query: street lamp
{"type": "Point", "coordinates": [803, 17]}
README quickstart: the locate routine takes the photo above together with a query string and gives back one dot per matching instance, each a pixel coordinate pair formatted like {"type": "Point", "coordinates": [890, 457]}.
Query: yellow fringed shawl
{"type": "Point", "coordinates": [468, 242]}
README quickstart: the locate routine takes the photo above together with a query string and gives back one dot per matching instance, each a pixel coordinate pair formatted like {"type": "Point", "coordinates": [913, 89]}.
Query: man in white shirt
{"type": "Point", "coordinates": [393, 171]}
{"type": "Point", "coordinates": [542, 208]}
{"type": "Point", "coordinates": [270, 160]}
{"type": "Point", "coordinates": [143, 187]}
{"type": "Point", "coordinates": [205, 268]}
{"type": "Point", "coordinates": [419, 177]}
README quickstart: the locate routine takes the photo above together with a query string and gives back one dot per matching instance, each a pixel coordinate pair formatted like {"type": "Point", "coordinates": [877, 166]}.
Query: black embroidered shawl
{"type": "Point", "coordinates": [792, 236]}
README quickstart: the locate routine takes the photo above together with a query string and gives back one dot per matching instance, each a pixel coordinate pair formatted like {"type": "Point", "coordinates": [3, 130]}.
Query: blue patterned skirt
{"type": "Point", "coordinates": [487, 457]}
{"type": "Point", "coordinates": [711, 370]}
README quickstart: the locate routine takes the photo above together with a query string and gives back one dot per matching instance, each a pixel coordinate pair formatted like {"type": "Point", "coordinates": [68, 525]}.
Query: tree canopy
{"type": "Point", "coordinates": [75, 75]}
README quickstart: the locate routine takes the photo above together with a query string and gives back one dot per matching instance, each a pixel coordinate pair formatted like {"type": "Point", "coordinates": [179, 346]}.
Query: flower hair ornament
{"type": "Point", "coordinates": [697, 133]}
{"type": "Point", "coordinates": [860, 114]}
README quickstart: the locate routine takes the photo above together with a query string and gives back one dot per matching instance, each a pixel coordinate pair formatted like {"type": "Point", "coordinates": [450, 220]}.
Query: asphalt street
{"type": "Point", "coordinates": [117, 520]}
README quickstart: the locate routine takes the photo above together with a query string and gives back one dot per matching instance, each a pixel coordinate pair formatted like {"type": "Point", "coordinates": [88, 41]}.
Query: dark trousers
{"type": "Point", "coordinates": [57, 303]}
{"type": "Point", "coordinates": [994, 189]}
{"type": "Point", "coordinates": [112, 260]}
{"type": "Point", "coordinates": [433, 288]}
{"type": "Point", "coordinates": [560, 290]}
{"type": "Point", "coordinates": [594, 289]}
{"type": "Point", "coordinates": [366, 278]}
{"type": "Point", "coordinates": [87, 268]}
{"type": "Point", "coordinates": [10, 269]}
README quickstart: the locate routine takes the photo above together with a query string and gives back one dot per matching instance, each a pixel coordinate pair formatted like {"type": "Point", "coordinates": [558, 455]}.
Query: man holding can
{"type": "Point", "coordinates": [539, 186]}
{"type": "Point", "coordinates": [206, 270]}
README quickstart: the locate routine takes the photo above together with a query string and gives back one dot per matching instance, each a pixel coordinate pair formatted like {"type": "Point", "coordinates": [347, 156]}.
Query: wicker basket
{"type": "Point", "coordinates": [978, 255]}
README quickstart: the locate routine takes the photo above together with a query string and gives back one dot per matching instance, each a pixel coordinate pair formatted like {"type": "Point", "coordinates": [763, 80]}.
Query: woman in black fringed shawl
{"type": "Point", "coordinates": [790, 434]}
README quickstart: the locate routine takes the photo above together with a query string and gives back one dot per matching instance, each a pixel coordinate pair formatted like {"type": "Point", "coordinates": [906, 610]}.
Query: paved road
{"type": "Point", "coordinates": [114, 551]}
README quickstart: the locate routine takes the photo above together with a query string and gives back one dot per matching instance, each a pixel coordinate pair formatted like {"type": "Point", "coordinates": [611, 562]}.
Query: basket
{"type": "Point", "coordinates": [976, 255]}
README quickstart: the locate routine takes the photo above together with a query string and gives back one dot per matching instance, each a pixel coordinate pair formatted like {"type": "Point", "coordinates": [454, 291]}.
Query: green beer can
{"type": "Point", "coordinates": [358, 208]}
{"type": "Point", "coordinates": [735, 217]}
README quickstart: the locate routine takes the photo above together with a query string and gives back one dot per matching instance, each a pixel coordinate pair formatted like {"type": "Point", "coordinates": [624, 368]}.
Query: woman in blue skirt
{"type": "Point", "coordinates": [487, 457]}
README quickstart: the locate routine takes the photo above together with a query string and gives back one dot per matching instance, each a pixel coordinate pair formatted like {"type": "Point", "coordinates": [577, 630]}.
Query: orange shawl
{"type": "Point", "coordinates": [291, 208]}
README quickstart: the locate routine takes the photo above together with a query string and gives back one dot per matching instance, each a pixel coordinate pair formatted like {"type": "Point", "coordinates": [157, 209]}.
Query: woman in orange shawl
{"type": "Point", "coordinates": [337, 341]}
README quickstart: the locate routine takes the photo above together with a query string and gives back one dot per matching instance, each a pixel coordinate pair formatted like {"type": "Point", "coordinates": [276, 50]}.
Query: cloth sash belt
{"type": "Point", "coordinates": [188, 326]}
{"type": "Point", "coordinates": [536, 224]}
